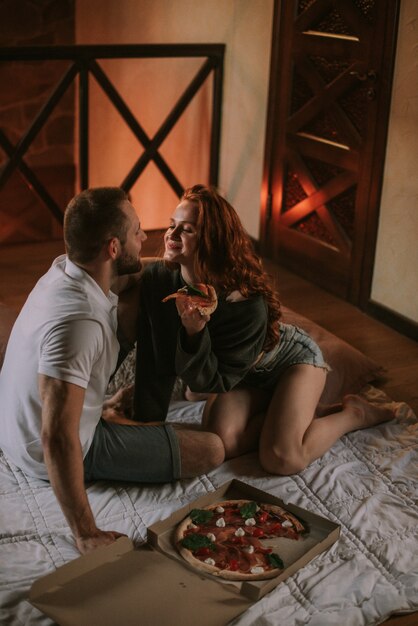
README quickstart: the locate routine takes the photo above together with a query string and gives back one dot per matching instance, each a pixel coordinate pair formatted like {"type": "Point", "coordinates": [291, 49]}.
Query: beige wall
{"type": "Point", "coordinates": [395, 280]}
{"type": "Point", "coordinates": [245, 27]}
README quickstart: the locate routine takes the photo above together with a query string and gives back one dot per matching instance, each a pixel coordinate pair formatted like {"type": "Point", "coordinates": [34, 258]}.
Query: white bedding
{"type": "Point", "coordinates": [367, 483]}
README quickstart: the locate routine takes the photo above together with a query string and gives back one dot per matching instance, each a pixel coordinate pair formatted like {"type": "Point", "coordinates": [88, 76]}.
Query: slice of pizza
{"type": "Point", "coordinates": [202, 296]}
{"type": "Point", "coordinates": [227, 539]}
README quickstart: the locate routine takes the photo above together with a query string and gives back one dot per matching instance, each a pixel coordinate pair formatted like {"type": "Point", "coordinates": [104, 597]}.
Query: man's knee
{"type": "Point", "coordinates": [200, 452]}
{"type": "Point", "coordinates": [213, 448]}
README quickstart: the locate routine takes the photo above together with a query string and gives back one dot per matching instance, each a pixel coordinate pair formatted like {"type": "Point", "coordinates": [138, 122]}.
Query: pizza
{"type": "Point", "coordinates": [202, 296]}
{"type": "Point", "coordinates": [229, 539]}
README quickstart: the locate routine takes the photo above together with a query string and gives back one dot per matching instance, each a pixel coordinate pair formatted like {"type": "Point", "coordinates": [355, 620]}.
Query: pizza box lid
{"type": "Point", "coordinates": [295, 554]}
{"type": "Point", "coordinates": [118, 584]}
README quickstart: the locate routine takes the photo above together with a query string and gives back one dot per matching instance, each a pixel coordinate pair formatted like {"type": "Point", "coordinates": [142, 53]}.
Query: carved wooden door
{"type": "Point", "coordinates": [330, 84]}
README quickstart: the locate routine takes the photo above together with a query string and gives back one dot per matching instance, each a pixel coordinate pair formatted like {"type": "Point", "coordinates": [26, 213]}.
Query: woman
{"type": "Point", "coordinates": [266, 377]}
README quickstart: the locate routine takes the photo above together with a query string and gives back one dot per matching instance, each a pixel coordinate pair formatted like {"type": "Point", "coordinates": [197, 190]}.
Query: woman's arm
{"type": "Point", "coordinates": [218, 357]}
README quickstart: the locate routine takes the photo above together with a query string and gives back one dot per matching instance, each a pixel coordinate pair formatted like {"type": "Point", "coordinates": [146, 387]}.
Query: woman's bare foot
{"type": "Point", "coordinates": [368, 414]}
{"type": "Point", "coordinates": [328, 409]}
{"type": "Point", "coordinates": [195, 396]}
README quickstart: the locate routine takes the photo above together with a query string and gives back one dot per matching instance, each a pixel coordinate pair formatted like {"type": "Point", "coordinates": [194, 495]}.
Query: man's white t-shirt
{"type": "Point", "coordinates": [66, 330]}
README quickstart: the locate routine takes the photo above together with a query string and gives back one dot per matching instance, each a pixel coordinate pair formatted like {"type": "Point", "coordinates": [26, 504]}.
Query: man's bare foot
{"type": "Point", "coordinates": [368, 414]}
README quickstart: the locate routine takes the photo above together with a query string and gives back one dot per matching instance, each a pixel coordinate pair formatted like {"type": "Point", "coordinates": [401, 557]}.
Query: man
{"type": "Point", "coordinates": [61, 353]}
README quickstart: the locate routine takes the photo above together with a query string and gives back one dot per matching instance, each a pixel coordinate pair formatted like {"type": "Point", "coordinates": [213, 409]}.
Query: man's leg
{"type": "Point", "coordinates": [150, 453]}
{"type": "Point", "coordinates": [200, 452]}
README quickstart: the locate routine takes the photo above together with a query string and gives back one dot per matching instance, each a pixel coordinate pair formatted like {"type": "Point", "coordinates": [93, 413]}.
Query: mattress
{"type": "Point", "coordinates": [367, 483]}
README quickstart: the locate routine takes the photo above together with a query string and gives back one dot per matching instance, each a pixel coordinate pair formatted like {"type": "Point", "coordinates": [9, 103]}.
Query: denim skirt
{"type": "Point", "coordinates": [295, 347]}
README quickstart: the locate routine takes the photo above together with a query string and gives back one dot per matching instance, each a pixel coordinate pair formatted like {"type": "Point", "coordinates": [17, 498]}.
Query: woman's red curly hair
{"type": "Point", "coordinates": [225, 257]}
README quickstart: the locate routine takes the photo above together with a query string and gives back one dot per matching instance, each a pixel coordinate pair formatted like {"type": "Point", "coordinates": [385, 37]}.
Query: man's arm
{"type": "Point", "coordinates": [62, 405]}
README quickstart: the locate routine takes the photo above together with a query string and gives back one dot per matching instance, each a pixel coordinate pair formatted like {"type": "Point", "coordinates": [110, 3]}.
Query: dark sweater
{"type": "Point", "coordinates": [225, 352]}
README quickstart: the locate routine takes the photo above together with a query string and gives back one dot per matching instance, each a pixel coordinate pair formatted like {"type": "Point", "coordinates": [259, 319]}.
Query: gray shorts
{"type": "Point", "coordinates": [295, 347]}
{"type": "Point", "coordinates": [144, 454]}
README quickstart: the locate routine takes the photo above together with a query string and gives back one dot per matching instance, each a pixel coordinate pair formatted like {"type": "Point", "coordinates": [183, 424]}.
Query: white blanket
{"type": "Point", "coordinates": [367, 483]}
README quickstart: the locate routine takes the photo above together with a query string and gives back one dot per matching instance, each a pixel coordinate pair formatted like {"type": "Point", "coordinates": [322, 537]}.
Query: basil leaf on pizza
{"type": "Point", "coordinates": [248, 510]}
{"type": "Point", "coordinates": [195, 541]}
{"type": "Point", "coordinates": [232, 539]}
{"type": "Point", "coordinates": [200, 296]}
{"type": "Point", "coordinates": [194, 291]}
{"type": "Point", "coordinates": [200, 515]}
{"type": "Point", "coordinates": [275, 560]}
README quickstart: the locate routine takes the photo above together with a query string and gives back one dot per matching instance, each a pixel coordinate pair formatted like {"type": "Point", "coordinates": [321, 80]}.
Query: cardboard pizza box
{"type": "Point", "coordinates": [119, 584]}
{"type": "Point", "coordinates": [294, 554]}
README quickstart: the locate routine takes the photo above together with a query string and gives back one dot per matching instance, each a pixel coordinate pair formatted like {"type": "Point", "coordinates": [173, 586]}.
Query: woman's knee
{"type": "Point", "coordinates": [229, 416]}
{"type": "Point", "coordinates": [282, 463]}
{"type": "Point", "coordinates": [231, 438]}
{"type": "Point", "coordinates": [216, 423]}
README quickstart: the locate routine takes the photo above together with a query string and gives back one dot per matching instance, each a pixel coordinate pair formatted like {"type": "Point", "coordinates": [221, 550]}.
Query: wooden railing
{"type": "Point", "coordinates": [84, 61]}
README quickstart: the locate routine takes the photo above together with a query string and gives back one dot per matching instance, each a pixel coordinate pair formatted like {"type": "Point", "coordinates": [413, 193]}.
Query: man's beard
{"type": "Point", "coordinates": [127, 264]}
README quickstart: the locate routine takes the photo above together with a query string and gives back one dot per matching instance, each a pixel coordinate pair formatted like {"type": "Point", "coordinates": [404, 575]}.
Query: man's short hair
{"type": "Point", "coordinates": [91, 219]}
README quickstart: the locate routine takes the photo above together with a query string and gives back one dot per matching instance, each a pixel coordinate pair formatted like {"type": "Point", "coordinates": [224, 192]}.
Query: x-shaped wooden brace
{"type": "Point", "coordinates": [344, 156]}
{"type": "Point", "coordinates": [17, 152]}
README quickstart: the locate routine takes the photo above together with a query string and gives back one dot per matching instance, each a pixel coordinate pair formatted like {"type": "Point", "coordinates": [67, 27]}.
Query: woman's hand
{"type": "Point", "coordinates": [191, 318]}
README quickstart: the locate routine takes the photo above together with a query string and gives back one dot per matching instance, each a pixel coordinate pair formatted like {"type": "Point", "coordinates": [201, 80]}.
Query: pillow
{"type": "Point", "coordinates": [350, 369]}
{"type": "Point", "coordinates": [7, 319]}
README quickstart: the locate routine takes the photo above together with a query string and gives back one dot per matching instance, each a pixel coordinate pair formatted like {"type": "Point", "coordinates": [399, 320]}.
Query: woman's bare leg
{"type": "Point", "coordinates": [327, 409]}
{"type": "Point", "coordinates": [291, 438]}
{"type": "Point", "coordinates": [237, 417]}
{"type": "Point", "coordinates": [196, 396]}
